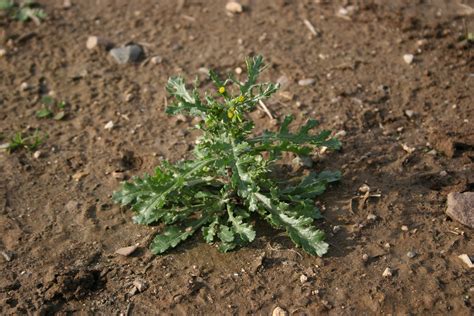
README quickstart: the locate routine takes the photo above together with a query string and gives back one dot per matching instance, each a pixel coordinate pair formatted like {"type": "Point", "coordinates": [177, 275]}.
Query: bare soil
{"type": "Point", "coordinates": [60, 229]}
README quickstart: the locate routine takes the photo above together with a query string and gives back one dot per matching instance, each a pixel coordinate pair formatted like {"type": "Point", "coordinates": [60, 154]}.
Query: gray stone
{"type": "Point", "coordinates": [128, 54]}
{"type": "Point", "coordinates": [461, 207]}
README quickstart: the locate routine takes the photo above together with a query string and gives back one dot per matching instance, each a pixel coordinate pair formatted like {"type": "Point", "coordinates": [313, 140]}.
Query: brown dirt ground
{"type": "Point", "coordinates": [62, 233]}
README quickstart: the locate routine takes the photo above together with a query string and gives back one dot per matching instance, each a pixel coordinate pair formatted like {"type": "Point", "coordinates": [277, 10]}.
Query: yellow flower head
{"type": "Point", "coordinates": [221, 90]}
{"type": "Point", "coordinates": [230, 113]}
{"type": "Point", "coordinates": [241, 99]}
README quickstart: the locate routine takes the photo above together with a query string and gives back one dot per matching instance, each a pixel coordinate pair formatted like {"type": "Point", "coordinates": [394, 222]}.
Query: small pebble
{"type": "Point", "coordinates": [408, 149]}
{"type": "Point", "coordinates": [156, 60]}
{"type": "Point", "coordinates": [371, 217]}
{"type": "Point", "coordinates": [6, 255]}
{"type": "Point", "coordinates": [278, 311]}
{"type": "Point", "coordinates": [467, 260]}
{"type": "Point", "coordinates": [336, 228]}
{"type": "Point", "coordinates": [443, 173]}
{"type": "Point", "coordinates": [238, 70]}
{"type": "Point", "coordinates": [432, 152]}
{"type": "Point", "coordinates": [3, 52]}
{"type": "Point", "coordinates": [37, 154]}
{"type": "Point", "coordinates": [411, 254]}
{"type": "Point", "coordinates": [409, 113]}
{"type": "Point", "coordinates": [303, 278]}
{"type": "Point", "coordinates": [233, 7]}
{"type": "Point", "coordinates": [203, 70]}
{"type": "Point", "coordinates": [387, 273]}
{"type": "Point", "coordinates": [306, 82]}
{"type": "Point", "coordinates": [341, 133]}
{"type": "Point", "coordinates": [109, 125]}
{"type": "Point", "coordinates": [405, 228]}
{"type": "Point", "coordinates": [129, 97]}
{"type": "Point", "coordinates": [67, 4]}
{"type": "Point", "coordinates": [408, 58]}
{"type": "Point", "coordinates": [94, 42]}
{"type": "Point", "coordinates": [365, 257]}
{"type": "Point", "coordinates": [422, 42]}
{"type": "Point", "coordinates": [24, 86]}
{"type": "Point", "coordinates": [140, 285]}
{"type": "Point", "coordinates": [387, 245]}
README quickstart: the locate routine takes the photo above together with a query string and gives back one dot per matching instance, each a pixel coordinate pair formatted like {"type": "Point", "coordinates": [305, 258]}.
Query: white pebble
{"type": "Point", "coordinates": [303, 278]}
{"type": "Point", "coordinates": [233, 7]}
{"type": "Point", "coordinates": [129, 97]}
{"type": "Point", "coordinates": [405, 228]}
{"type": "Point", "coordinates": [24, 86]}
{"type": "Point", "coordinates": [409, 113]}
{"type": "Point", "coordinates": [306, 82]}
{"type": "Point", "coordinates": [371, 217]}
{"type": "Point", "coordinates": [408, 58]}
{"type": "Point", "coordinates": [387, 273]}
{"type": "Point", "coordinates": [3, 52]}
{"type": "Point", "coordinates": [109, 125]}
{"type": "Point", "coordinates": [443, 173]}
{"type": "Point", "coordinates": [278, 311]}
{"type": "Point", "coordinates": [156, 60]}
{"type": "Point", "coordinates": [37, 154]}
{"type": "Point", "coordinates": [238, 70]}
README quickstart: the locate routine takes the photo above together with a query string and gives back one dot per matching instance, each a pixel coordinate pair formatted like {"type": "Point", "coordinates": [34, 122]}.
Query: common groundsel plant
{"type": "Point", "coordinates": [229, 178]}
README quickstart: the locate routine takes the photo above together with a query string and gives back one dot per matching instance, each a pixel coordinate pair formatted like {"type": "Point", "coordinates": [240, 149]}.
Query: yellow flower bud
{"type": "Point", "coordinates": [241, 99]}
{"type": "Point", "coordinates": [221, 90]}
{"type": "Point", "coordinates": [230, 113]}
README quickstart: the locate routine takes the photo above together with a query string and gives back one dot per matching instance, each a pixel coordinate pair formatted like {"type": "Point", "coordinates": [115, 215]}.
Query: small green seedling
{"type": "Point", "coordinates": [46, 112]}
{"type": "Point", "coordinates": [29, 142]}
{"type": "Point", "coordinates": [23, 11]}
{"type": "Point", "coordinates": [230, 180]}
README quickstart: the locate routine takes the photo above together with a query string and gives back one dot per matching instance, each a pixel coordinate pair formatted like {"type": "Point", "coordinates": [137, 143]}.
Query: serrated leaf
{"type": "Point", "coordinates": [299, 228]}
{"type": "Point", "coordinates": [176, 87]}
{"type": "Point", "coordinates": [244, 231]}
{"type": "Point", "coordinates": [302, 233]}
{"type": "Point", "coordinates": [169, 238]}
{"type": "Point", "coordinates": [149, 195]}
{"type": "Point", "coordinates": [173, 235]}
{"type": "Point", "coordinates": [210, 231]}
{"type": "Point", "coordinates": [284, 140]}
{"type": "Point", "coordinates": [313, 184]}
